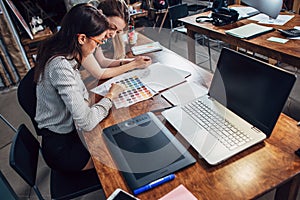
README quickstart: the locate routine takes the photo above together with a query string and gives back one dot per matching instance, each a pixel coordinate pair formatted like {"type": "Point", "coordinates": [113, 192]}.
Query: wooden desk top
{"type": "Point", "coordinates": [247, 175]}
{"type": "Point", "coordinates": [288, 52]}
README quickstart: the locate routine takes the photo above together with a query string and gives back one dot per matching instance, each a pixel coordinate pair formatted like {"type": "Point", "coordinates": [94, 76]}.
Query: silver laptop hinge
{"type": "Point", "coordinates": [211, 98]}
{"type": "Point", "coordinates": [256, 129]}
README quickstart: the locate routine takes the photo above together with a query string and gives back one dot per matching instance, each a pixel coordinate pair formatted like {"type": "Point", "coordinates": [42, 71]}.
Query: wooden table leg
{"type": "Point", "coordinates": [191, 46]}
{"type": "Point", "coordinates": [163, 20]}
{"type": "Point", "coordinates": [156, 19]}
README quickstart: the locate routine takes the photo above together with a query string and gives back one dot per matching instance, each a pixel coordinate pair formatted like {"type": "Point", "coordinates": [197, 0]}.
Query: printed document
{"type": "Point", "coordinates": [265, 19]}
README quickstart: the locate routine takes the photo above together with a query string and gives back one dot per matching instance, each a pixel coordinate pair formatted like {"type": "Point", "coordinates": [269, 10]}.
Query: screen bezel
{"type": "Point", "coordinates": [234, 63]}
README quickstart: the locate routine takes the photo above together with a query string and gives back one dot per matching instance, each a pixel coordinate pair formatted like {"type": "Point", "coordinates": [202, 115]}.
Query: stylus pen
{"type": "Point", "coordinates": [162, 109]}
{"type": "Point", "coordinates": [154, 184]}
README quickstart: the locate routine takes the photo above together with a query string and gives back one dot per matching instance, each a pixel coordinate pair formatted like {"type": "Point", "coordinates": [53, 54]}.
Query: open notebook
{"type": "Point", "coordinates": [249, 31]}
{"type": "Point", "coordinates": [241, 108]}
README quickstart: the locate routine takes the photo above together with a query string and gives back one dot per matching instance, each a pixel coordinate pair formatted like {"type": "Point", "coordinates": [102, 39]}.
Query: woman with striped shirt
{"type": "Point", "coordinates": [62, 98]}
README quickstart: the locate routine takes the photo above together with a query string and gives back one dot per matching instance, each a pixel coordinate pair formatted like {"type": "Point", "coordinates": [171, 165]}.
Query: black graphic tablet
{"type": "Point", "coordinates": [145, 150]}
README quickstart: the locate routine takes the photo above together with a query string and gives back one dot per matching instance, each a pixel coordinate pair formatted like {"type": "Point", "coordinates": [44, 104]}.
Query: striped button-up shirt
{"type": "Point", "coordinates": [61, 99]}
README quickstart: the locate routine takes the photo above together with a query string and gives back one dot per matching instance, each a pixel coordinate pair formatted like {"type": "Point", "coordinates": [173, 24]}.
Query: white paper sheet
{"type": "Point", "coordinates": [265, 19]}
{"type": "Point", "coordinates": [184, 92]}
{"type": "Point", "coordinates": [157, 76]}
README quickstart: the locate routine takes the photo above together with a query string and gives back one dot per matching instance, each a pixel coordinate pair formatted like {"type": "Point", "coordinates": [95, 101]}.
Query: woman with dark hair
{"type": "Point", "coordinates": [62, 98]}
{"type": "Point", "coordinates": [97, 64]}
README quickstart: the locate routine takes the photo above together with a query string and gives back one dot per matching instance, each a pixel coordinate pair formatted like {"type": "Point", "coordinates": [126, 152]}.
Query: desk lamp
{"type": "Point", "coordinates": [268, 7]}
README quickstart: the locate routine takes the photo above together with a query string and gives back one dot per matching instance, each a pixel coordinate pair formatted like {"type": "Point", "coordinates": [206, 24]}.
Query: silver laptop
{"type": "Point", "coordinates": [241, 108]}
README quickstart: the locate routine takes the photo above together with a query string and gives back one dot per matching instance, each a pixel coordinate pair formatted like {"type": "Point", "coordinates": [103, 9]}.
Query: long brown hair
{"type": "Point", "coordinates": [81, 19]}
{"type": "Point", "coordinates": [115, 8]}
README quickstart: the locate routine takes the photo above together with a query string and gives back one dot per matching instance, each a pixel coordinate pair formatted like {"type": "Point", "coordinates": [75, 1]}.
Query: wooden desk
{"type": "Point", "coordinates": [287, 53]}
{"type": "Point", "coordinates": [250, 174]}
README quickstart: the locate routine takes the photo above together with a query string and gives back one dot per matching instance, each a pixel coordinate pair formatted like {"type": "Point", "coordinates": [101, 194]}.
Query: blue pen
{"type": "Point", "coordinates": [154, 184]}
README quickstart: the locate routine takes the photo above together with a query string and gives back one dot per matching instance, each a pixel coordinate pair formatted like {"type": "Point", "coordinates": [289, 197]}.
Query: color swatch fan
{"type": "Point", "coordinates": [135, 92]}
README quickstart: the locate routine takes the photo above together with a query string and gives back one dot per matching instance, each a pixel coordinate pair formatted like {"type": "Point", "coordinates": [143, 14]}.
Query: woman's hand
{"type": "Point", "coordinates": [142, 61]}
{"type": "Point", "coordinates": [114, 91]}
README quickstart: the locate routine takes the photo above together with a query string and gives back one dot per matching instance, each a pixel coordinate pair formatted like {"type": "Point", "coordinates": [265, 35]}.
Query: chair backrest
{"type": "Point", "coordinates": [27, 96]}
{"type": "Point", "coordinates": [7, 191]}
{"type": "Point", "coordinates": [24, 153]}
{"type": "Point", "coordinates": [159, 4]}
{"type": "Point", "coordinates": [178, 11]}
{"type": "Point", "coordinates": [23, 158]}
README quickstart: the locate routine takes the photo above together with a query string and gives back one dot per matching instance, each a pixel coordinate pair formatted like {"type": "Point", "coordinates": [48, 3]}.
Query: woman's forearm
{"type": "Point", "coordinates": [107, 62]}
{"type": "Point", "coordinates": [115, 71]}
{"type": "Point", "coordinates": [93, 67]}
{"type": "Point", "coordinates": [103, 61]}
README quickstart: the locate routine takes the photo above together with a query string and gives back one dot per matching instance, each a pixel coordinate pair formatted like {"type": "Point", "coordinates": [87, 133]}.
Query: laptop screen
{"type": "Point", "coordinates": [252, 89]}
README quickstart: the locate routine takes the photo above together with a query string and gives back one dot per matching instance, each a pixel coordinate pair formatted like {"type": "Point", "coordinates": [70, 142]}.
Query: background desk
{"type": "Point", "coordinates": [288, 52]}
{"type": "Point", "coordinates": [250, 174]}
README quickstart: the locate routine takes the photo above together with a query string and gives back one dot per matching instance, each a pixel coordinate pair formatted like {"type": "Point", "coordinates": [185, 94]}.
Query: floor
{"type": "Point", "coordinates": [15, 115]}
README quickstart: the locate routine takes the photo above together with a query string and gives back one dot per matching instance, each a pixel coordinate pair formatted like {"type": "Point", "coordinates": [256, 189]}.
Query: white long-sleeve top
{"type": "Point", "coordinates": [61, 96]}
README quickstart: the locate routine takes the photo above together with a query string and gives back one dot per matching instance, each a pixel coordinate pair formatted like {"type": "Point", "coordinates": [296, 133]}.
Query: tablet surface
{"type": "Point", "coordinates": [145, 150]}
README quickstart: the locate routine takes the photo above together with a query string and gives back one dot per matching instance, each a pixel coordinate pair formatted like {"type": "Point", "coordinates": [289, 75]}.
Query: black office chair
{"type": "Point", "coordinates": [7, 191]}
{"type": "Point", "coordinates": [24, 160]}
{"type": "Point", "coordinates": [63, 185]}
{"type": "Point", "coordinates": [179, 11]}
{"type": "Point", "coordinates": [27, 96]}
{"type": "Point", "coordinates": [176, 12]}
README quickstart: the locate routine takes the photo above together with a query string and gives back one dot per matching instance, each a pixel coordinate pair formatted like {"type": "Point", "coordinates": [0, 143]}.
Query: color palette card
{"type": "Point", "coordinates": [135, 91]}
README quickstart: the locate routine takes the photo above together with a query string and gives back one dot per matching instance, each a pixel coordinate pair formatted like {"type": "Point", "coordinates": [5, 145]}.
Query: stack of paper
{"type": "Point", "coordinates": [249, 31]}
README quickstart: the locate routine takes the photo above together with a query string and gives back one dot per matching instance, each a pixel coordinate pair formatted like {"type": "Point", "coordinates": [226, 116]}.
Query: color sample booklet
{"type": "Point", "coordinates": [150, 77]}
{"type": "Point", "coordinates": [146, 48]}
{"type": "Point", "coordinates": [249, 31]}
{"type": "Point", "coordinates": [135, 91]}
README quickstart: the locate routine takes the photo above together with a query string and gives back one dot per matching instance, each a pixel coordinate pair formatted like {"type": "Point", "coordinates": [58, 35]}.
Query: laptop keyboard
{"type": "Point", "coordinates": [219, 127]}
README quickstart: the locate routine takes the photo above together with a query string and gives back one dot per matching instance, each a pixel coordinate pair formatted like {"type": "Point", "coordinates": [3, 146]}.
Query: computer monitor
{"type": "Point", "coordinates": [271, 8]}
